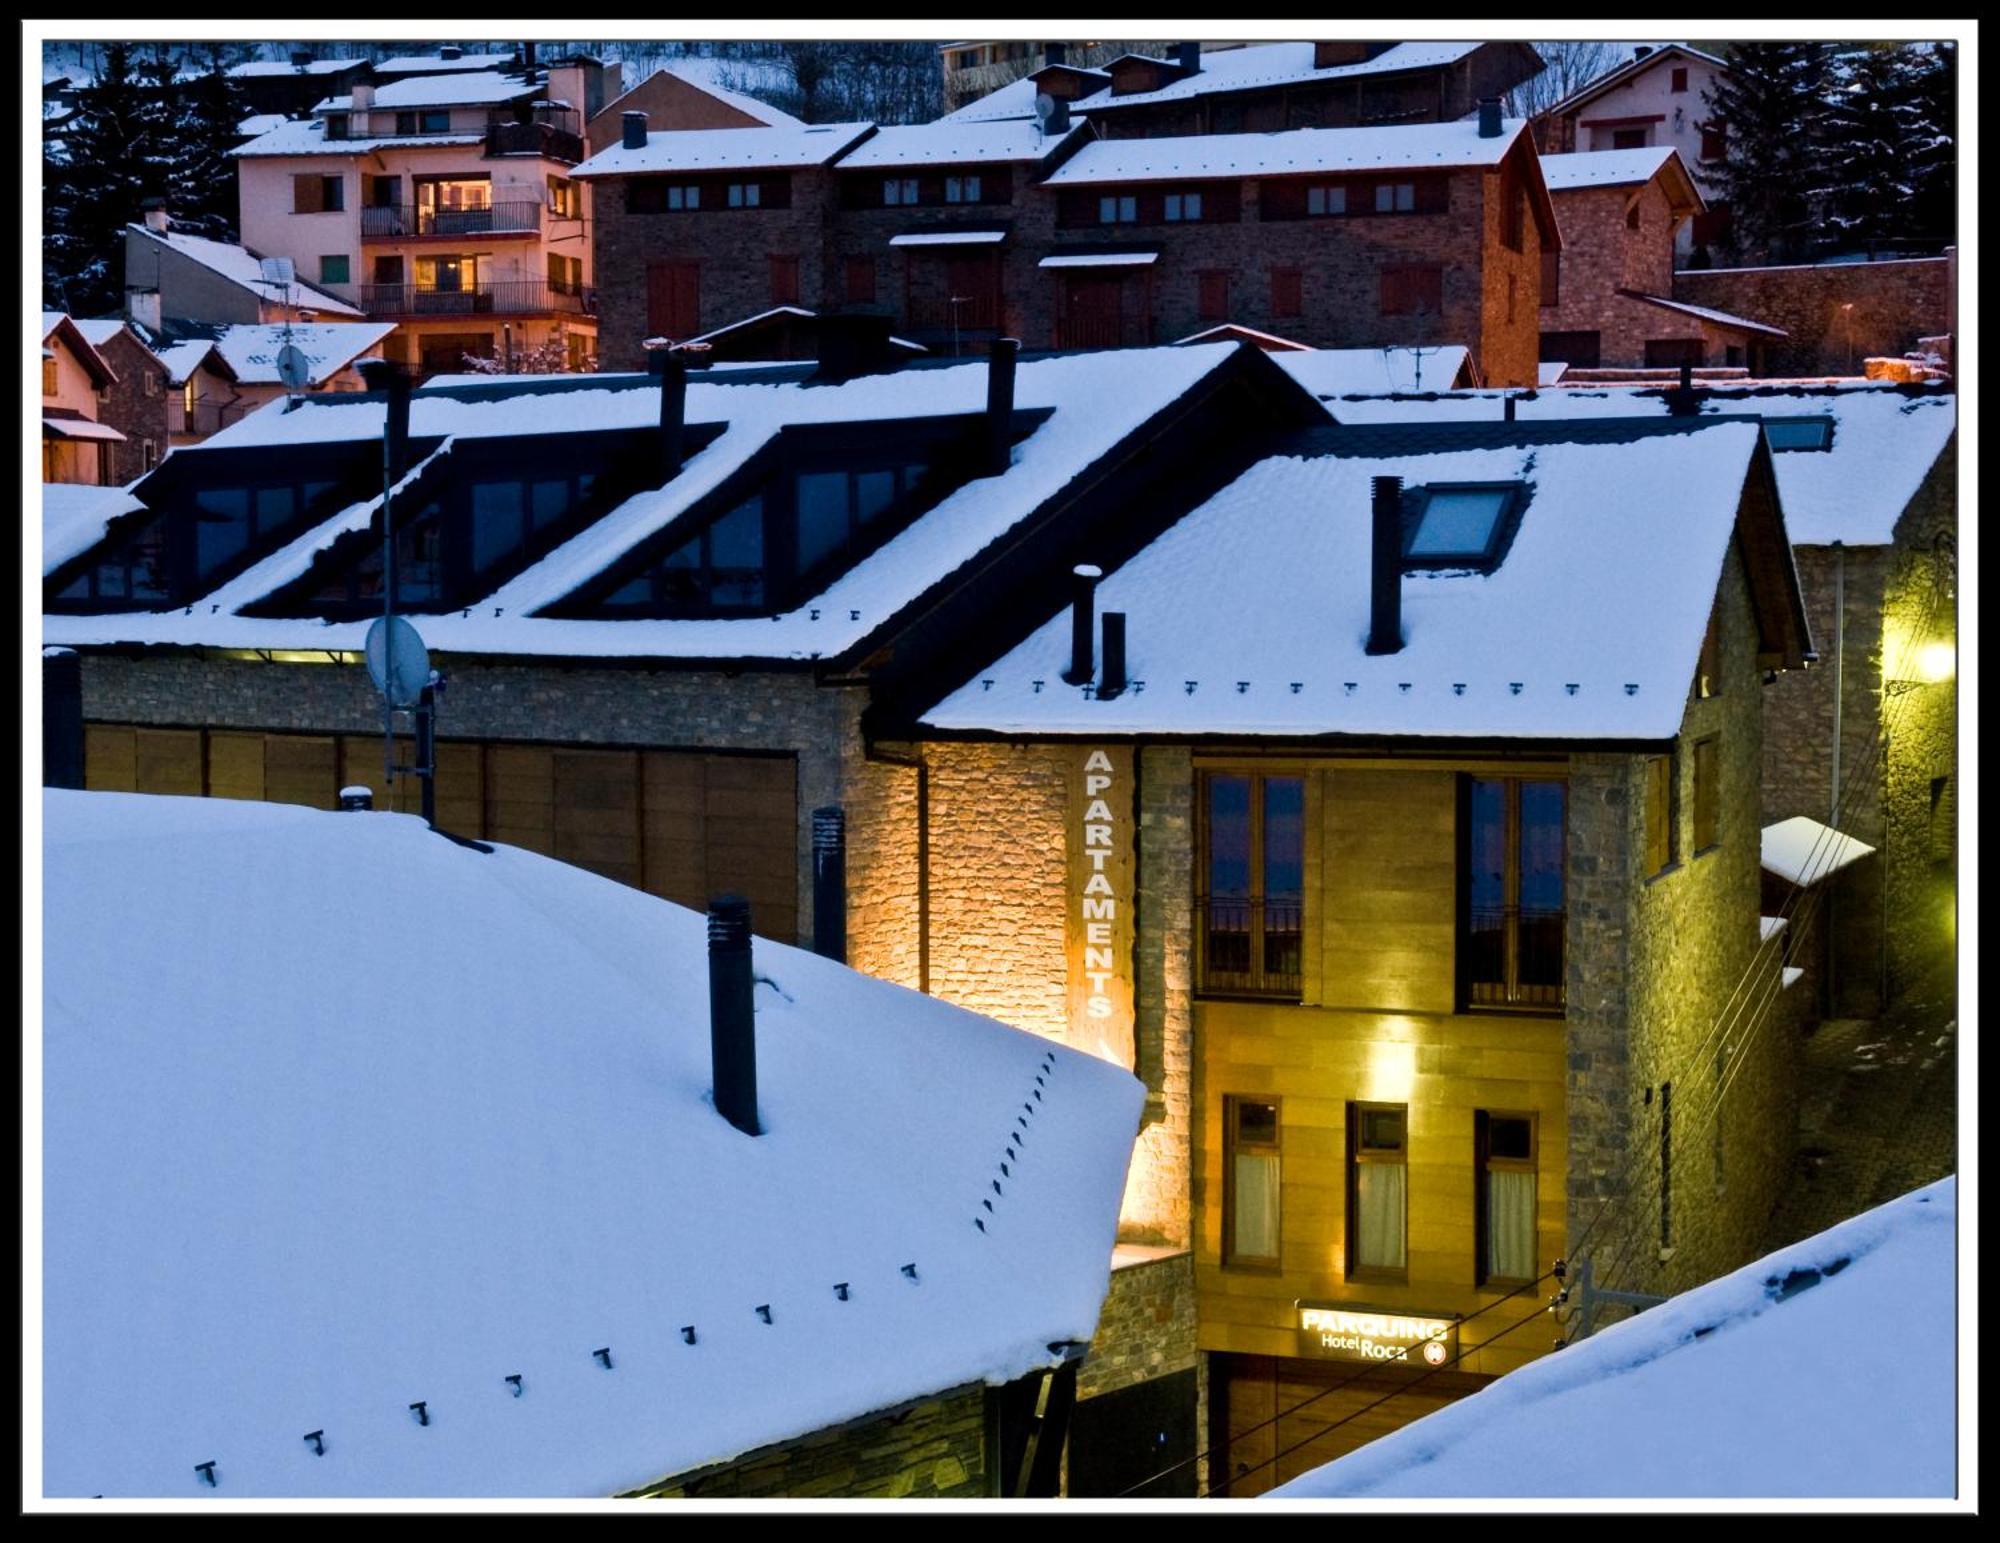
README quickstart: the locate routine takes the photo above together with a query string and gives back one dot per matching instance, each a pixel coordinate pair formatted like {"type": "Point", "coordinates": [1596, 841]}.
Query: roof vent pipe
{"type": "Point", "coordinates": [450, 51]}
{"type": "Point", "coordinates": [386, 376]}
{"type": "Point", "coordinates": [1385, 617]}
{"type": "Point", "coordinates": [732, 1021]}
{"type": "Point", "coordinates": [1507, 407]}
{"type": "Point", "coordinates": [1190, 58]}
{"type": "Point", "coordinates": [667, 366]}
{"type": "Point", "coordinates": [1055, 53]}
{"type": "Point", "coordinates": [1000, 404]}
{"type": "Point", "coordinates": [301, 57]}
{"type": "Point", "coordinates": [1113, 682]}
{"type": "Point", "coordinates": [1489, 117]}
{"type": "Point", "coordinates": [62, 718]}
{"type": "Point", "coordinates": [829, 851]}
{"type": "Point", "coordinates": [358, 796]}
{"type": "Point", "coordinates": [1083, 623]}
{"type": "Point", "coordinates": [1683, 399]}
{"type": "Point", "coordinates": [635, 130]}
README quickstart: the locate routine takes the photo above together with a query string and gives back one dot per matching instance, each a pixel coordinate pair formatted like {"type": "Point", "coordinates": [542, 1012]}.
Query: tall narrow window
{"type": "Point", "coordinates": [1551, 276]}
{"type": "Point", "coordinates": [784, 281]}
{"type": "Point", "coordinates": [1707, 803]}
{"type": "Point", "coordinates": [1250, 1229]}
{"type": "Point", "coordinates": [1504, 1205]}
{"type": "Point", "coordinates": [1512, 909]}
{"type": "Point", "coordinates": [1253, 873]}
{"type": "Point", "coordinates": [1666, 1166]}
{"type": "Point", "coordinates": [49, 383]}
{"type": "Point", "coordinates": [1377, 1189]}
{"type": "Point", "coordinates": [1663, 847]}
{"type": "Point", "coordinates": [1708, 670]}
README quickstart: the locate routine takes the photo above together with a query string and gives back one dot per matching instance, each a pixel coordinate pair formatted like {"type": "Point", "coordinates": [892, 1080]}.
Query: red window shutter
{"type": "Point", "coordinates": [1214, 298]}
{"type": "Point", "coordinates": [860, 281]}
{"type": "Point", "coordinates": [1407, 290]}
{"type": "Point", "coordinates": [673, 299]}
{"type": "Point", "coordinates": [1287, 292]}
{"type": "Point", "coordinates": [1551, 278]}
{"type": "Point", "coordinates": [784, 281]}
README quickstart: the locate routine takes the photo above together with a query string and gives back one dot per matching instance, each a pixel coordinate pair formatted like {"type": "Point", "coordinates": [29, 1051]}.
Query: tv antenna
{"type": "Point", "coordinates": [1045, 109]}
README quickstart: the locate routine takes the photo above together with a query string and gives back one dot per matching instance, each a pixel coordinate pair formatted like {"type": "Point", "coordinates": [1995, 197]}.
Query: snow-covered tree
{"type": "Point", "coordinates": [1933, 148]}
{"type": "Point", "coordinates": [201, 188]}
{"type": "Point", "coordinates": [1773, 105]}
{"type": "Point", "coordinates": [93, 191]}
{"type": "Point", "coordinates": [548, 357]}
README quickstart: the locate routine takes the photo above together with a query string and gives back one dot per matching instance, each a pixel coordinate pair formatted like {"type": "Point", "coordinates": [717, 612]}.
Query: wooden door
{"type": "Point", "coordinates": [673, 299]}
{"type": "Point", "coordinates": [1092, 310]}
{"type": "Point", "coordinates": [977, 280]}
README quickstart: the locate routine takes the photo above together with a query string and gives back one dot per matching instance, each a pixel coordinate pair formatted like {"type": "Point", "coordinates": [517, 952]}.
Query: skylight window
{"type": "Point", "coordinates": [1461, 525]}
{"type": "Point", "coordinates": [1799, 433]}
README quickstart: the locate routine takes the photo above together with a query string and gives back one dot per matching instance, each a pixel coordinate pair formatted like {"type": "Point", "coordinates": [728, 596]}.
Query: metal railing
{"type": "Point", "coordinates": [1514, 956]}
{"type": "Point", "coordinates": [527, 297]}
{"type": "Point", "coordinates": [1251, 947]}
{"type": "Point", "coordinates": [968, 311]}
{"type": "Point", "coordinates": [393, 221]}
{"type": "Point", "coordinates": [559, 141]}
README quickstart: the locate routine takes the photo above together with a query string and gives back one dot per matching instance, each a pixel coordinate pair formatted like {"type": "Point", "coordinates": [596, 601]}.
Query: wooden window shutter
{"type": "Point", "coordinates": [1214, 297]}
{"type": "Point", "coordinates": [861, 280]}
{"type": "Point", "coordinates": [308, 192]}
{"type": "Point", "coordinates": [1551, 277]}
{"type": "Point", "coordinates": [784, 281]}
{"type": "Point", "coordinates": [1287, 292]}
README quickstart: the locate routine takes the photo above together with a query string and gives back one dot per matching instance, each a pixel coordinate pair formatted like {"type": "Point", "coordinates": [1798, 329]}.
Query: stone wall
{"type": "Point", "coordinates": [135, 405]}
{"type": "Point", "coordinates": [1158, 1196]}
{"type": "Point", "coordinates": [1895, 303]}
{"type": "Point", "coordinates": [1146, 1329]}
{"type": "Point", "coordinates": [932, 1449]}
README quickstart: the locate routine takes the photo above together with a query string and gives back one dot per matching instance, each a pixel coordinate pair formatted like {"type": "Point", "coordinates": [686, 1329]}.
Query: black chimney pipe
{"type": "Point", "coordinates": [62, 718]}
{"type": "Point", "coordinates": [671, 371]}
{"type": "Point", "coordinates": [1489, 117]}
{"type": "Point", "coordinates": [1114, 656]}
{"type": "Point", "coordinates": [829, 849]}
{"type": "Point", "coordinates": [1683, 399]}
{"type": "Point", "coordinates": [1055, 53]}
{"type": "Point", "coordinates": [634, 129]}
{"type": "Point", "coordinates": [387, 377]}
{"type": "Point", "coordinates": [1000, 404]}
{"type": "Point", "coordinates": [1385, 616]}
{"type": "Point", "coordinates": [1507, 407]}
{"type": "Point", "coordinates": [732, 1022]}
{"type": "Point", "coordinates": [1083, 622]}
{"type": "Point", "coordinates": [1058, 116]}
{"type": "Point", "coordinates": [1190, 58]}
{"type": "Point", "coordinates": [358, 796]}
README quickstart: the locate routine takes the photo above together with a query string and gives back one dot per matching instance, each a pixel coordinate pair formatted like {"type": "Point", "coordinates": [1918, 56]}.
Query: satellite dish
{"type": "Point", "coordinates": [294, 368]}
{"type": "Point", "coordinates": [398, 662]}
{"type": "Point", "coordinates": [276, 270]}
{"type": "Point", "coordinates": [1045, 108]}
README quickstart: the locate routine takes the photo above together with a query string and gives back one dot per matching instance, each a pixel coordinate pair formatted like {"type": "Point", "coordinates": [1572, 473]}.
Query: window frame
{"type": "Point", "coordinates": [1233, 1145]}
{"type": "Point", "coordinates": [1500, 536]}
{"type": "Point", "coordinates": [1484, 1162]}
{"type": "Point", "coordinates": [1513, 1003]}
{"type": "Point", "coordinates": [1824, 426]}
{"type": "Point", "coordinates": [964, 188]}
{"type": "Point", "coordinates": [1397, 280]}
{"type": "Point", "coordinates": [1663, 813]}
{"type": "Point", "coordinates": [326, 273]}
{"type": "Point", "coordinates": [1257, 983]}
{"type": "Point", "coordinates": [1358, 1156]}
{"type": "Point", "coordinates": [1123, 209]}
{"type": "Point", "coordinates": [1708, 665]}
{"type": "Point", "coordinates": [1181, 208]}
{"type": "Point", "coordinates": [51, 378]}
{"type": "Point", "coordinates": [899, 192]}
{"type": "Point", "coordinates": [1707, 802]}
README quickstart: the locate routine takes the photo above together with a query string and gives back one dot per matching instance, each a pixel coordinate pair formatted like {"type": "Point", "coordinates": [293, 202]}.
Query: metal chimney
{"type": "Point", "coordinates": [1507, 407]}
{"type": "Point", "coordinates": [154, 212]}
{"type": "Point", "coordinates": [1190, 58]}
{"type": "Point", "coordinates": [386, 376]}
{"type": "Point", "coordinates": [359, 796]}
{"type": "Point", "coordinates": [1055, 53]}
{"type": "Point", "coordinates": [1385, 612]}
{"type": "Point", "coordinates": [635, 130]}
{"type": "Point", "coordinates": [1683, 400]}
{"type": "Point", "coordinates": [1083, 623]}
{"type": "Point", "coordinates": [450, 51]}
{"type": "Point", "coordinates": [1000, 404]}
{"type": "Point", "coordinates": [829, 851]}
{"type": "Point", "coordinates": [1489, 117]}
{"type": "Point", "coordinates": [1058, 119]}
{"type": "Point", "coordinates": [301, 57]}
{"type": "Point", "coordinates": [667, 366]}
{"type": "Point", "coordinates": [1114, 656]}
{"type": "Point", "coordinates": [62, 718]}
{"type": "Point", "coordinates": [732, 1022]}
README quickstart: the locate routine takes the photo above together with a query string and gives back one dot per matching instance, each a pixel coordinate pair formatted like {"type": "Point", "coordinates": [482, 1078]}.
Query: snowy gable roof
{"type": "Point", "coordinates": [1801, 1330]}
{"type": "Point", "coordinates": [472, 89]}
{"type": "Point", "coordinates": [1630, 71]}
{"type": "Point", "coordinates": [1802, 851]}
{"type": "Point", "coordinates": [260, 68]}
{"type": "Point", "coordinates": [1604, 168]}
{"type": "Point", "coordinates": [943, 144]}
{"type": "Point", "coordinates": [59, 326]}
{"type": "Point", "coordinates": [1588, 628]}
{"type": "Point", "coordinates": [75, 516]}
{"type": "Point", "coordinates": [1234, 69]}
{"type": "Point", "coordinates": [437, 64]}
{"type": "Point", "coordinates": [1336, 371]}
{"type": "Point", "coordinates": [727, 149]}
{"type": "Point", "coordinates": [1292, 152]}
{"type": "Point", "coordinates": [251, 351]}
{"type": "Point", "coordinates": [1706, 313]}
{"type": "Point", "coordinates": [1887, 438]}
{"type": "Point", "coordinates": [1096, 400]}
{"type": "Point", "coordinates": [240, 266]}
{"type": "Point", "coordinates": [715, 76]}
{"type": "Point", "coordinates": [291, 1216]}
{"type": "Point", "coordinates": [307, 136]}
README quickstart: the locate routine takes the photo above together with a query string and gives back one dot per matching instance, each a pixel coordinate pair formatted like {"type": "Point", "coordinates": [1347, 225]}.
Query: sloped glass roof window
{"type": "Point", "coordinates": [1799, 433]}
{"type": "Point", "coordinates": [1461, 524]}
{"type": "Point", "coordinates": [721, 567]}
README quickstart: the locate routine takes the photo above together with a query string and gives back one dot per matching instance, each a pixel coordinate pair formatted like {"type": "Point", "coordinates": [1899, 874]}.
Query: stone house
{"type": "Point", "coordinates": [135, 403]}
{"type": "Point", "coordinates": [1608, 296]}
{"type": "Point", "coordinates": [77, 382]}
{"type": "Point", "coordinates": [678, 96]}
{"type": "Point", "coordinates": [1443, 909]}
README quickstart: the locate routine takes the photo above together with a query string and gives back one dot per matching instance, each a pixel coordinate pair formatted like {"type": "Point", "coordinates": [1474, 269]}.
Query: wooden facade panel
{"type": "Point", "coordinates": [753, 773]}
{"type": "Point", "coordinates": [110, 757]}
{"type": "Point", "coordinates": [302, 769]}
{"type": "Point", "coordinates": [361, 766]}
{"type": "Point", "coordinates": [1387, 911]}
{"type": "Point", "coordinates": [235, 765]}
{"type": "Point", "coordinates": [461, 789]}
{"type": "Point", "coordinates": [169, 761]}
{"type": "Point", "coordinates": [673, 780]}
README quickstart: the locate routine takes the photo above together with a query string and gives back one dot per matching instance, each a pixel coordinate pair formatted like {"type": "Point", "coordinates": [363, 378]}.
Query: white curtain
{"type": "Point", "coordinates": [1510, 1224]}
{"type": "Point", "coordinates": [1379, 1235]}
{"type": "Point", "coordinates": [1256, 1206]}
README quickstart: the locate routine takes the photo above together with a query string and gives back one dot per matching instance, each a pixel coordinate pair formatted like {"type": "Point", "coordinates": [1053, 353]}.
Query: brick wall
{"type": "Point", "coordinates": [1895, 303]}
{"type": "Point", "coordinates": [935, 1448]}
{"type": "Point", "coordinates": [135, 405]}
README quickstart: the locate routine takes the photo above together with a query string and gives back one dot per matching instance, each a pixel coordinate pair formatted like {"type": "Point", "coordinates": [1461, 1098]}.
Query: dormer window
{"type": "Point", "coordinates": [1799, 433]}
{"type": "Point", "coordinates": [336, 125]}
{"type": "Point", "coordinates": [1462, 525]}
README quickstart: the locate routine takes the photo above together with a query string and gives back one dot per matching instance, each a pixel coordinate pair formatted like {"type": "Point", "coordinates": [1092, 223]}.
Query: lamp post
{"type": "Point", "coordinates": [1847, 311]}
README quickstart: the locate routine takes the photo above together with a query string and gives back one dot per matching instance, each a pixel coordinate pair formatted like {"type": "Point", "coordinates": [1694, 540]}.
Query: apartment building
{"type": "Point", "coordinates": [442, 203]}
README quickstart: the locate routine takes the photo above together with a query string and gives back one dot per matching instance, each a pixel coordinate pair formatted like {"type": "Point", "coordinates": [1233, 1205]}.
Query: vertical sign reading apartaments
{"type": "Point", "coordinates": [1102, 886]}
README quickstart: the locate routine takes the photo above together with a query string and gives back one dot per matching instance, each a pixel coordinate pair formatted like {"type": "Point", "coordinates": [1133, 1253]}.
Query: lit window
{"type": "Point", "coordinates": [1504, 1205]}
{"type": "Point", "coordinates": [1663, 845]}
{"type": "Point", "coordinates": [1252, 867]}
{"type": "Point", "coordinates": [1250, 1229]}
{"type": "Point", "coordinates": [1184, 206]}
{"type": "Point", "coordinates": [49, 385]}
{"type": "Point", "coordinates": [1395, 197]}
{"type": "Point", "coordinates": [1330, 200]}
{"type": "Point", "coordinates": [961, 190]}
{"type": "Point", "coordinates": [1377, 1189]}
{"type": "Point", "coordinates": [1460, 524]}
{"type": "Point", "coordinates": [1799, 433]}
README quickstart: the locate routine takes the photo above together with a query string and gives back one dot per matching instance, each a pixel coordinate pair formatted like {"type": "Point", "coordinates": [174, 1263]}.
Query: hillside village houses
{"type": "Point", "coordinates": [76, 382]}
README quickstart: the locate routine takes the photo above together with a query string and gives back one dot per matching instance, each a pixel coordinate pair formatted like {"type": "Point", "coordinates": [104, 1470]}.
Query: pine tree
{"type": "Point", "coordinates": [94, 191]}
{"type": "Point", "coordinates": [201, 188]}
{"type": "Point", "coordinates": [1871, 134]}
{"type": "Point", "coordinates": [1933, 152]}
{"type": "Point", "coordinates": [1773, 107]}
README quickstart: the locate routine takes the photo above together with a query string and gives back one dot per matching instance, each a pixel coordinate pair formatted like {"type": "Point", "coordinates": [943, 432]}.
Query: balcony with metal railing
{"type": "Point", "coordinates": [1251, 947]}
{"type": "Point", "coordinates": [407, 222]}
{"type": "Point", "coordinates": [1513, 957]}
{"type": "Point", "coordinates": [525, 297]}
{"type": "Point", "coordinates": [553, 132]}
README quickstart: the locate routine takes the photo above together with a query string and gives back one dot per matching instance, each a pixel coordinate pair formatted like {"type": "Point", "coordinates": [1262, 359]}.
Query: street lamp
{"type": "Point", "coordinates": [1847, 311]}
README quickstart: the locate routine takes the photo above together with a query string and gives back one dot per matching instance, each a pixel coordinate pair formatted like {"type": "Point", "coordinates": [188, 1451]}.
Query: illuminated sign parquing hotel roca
{"type": "Point", "coordinates": [1372, 1334]}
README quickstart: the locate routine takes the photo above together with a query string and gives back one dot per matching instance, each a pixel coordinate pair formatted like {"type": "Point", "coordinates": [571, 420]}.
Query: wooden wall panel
{"type": "Point", "coordinates": [597, 811]}
{"type": "Point", "coordinates": [169, 761]}
{"type": "Point", "coordinates": [751, 828]}
{"type": "Point", "coordinates": [110, 757]}
{"type": "Point", "coordinates": [461, 789]}
{"type": "Point", "coordinates": [235, 765]}
{"type": "Point", "coordinates": [361, 765]}
{"type": "Point", "coordinates": [302, 769]}
{"type": "Point", "coordinates": [673, 801]}
{"type": "Point", "coordinates": [1387, 902]}
{"type": "Point", "coordinates": [520, 796]}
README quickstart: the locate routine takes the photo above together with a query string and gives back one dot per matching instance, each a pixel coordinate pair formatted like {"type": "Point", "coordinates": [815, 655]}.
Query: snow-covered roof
{"type": "Point", "coordinates": [240, 266]}
{"type": "Point", "coordinates": [1802, 851]}
{"type": "Point", "coordinates": [74, 517]}
{"type": "Point", "coordinates": [251, 350]}
{"type": "Point", "coordinates": [1630, 70]}
{"type": "Point", "coordinates": [1250, 614]}
{"type": "Point", "coordinates": [949, 238]}
{"type": "Point", "coordinates": [1548, 372]}
{"type": "Point", "coordinates": [307, 136]}
{"type": "Point", "coordinates": [69, 425]}
{"type": "Point", "coordinates": [1403, 147]}
{"type": "Point", "coordinates": [258, 124]}
{"type": "Point", "coordinates": [437, 64]}
{"type": "Point", "coordinates": [1336, 371]}
{"type": "Point", "coordinates": [1720, 318]}
{"type": "Point", "coordinates": [472, 89]}
{"type": "Point", "coordinates": [1232, 69]}
{"type": "Point", "coordinates": [1886, 440]}
{"type": "Point", "coordinates": [184, 357]}
{"type": "Point", "coordinates": [100, 330]}
{"type": "Point", "coordinates": [1604, 168]}
{"type": "Point", "coordinates": [266, 67]}
{"type": "Point", "coordinates": [944, 144]}
{"type": "Point", "coordinates": [1781, 1379]}
{"type": "Point", "coordinates": [1086, 257]}
{"type": "Point", "coordinates": [78, 342]}
{"type": "Point", "coordinates": [288, 1215]}
{"type": "Point", "coordinates": [1097, 399]}
{"type": "Point", "coordinates": [710, 74]}
{"type": "Point", "coordinates": [1229, 331]}
{"type": "Point", "coordinates": [727, 149]}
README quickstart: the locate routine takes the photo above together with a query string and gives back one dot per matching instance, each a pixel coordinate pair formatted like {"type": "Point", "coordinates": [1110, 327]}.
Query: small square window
{"type": "Point", "coordinates": [1799, 433]}
{"type": "Point", "coordinates": [1183, 206]}
{"type": "Point", "coordinates": [1679, 81]}
{"type": "Point", "coordinates": [1117, 210]}
{"type": "Point", "coordinates": [899, 190]}
{"type": "Point", "coordinates": [1395, 197]}
{"type": "Point", "coordinates": [1459, 524]}
{"type": "Point", "coordinates": [333, 270]}
{"type": "Point", "coordinates": [961, 190]}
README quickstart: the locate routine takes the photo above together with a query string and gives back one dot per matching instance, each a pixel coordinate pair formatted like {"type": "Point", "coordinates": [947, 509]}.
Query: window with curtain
{"type": "Point", "coordinates": [1504, 1205]}
{"type": "Point", "coordinates": [1250, 1230]}
{"type": "Point", "coordinates": [1378, 1168]}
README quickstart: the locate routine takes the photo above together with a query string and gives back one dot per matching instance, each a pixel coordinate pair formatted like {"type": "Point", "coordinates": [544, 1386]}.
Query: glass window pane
{"type": "Point", "coordinates": [548, 501]}
{"type": "Point", "coordinates": [1506, 1137]}
{"type": "Point", "coordinates": [633, 592]}
{"type": "Point", "coordinates": [1385, 198]}
{"type": "Point", "coordinates": [1315, 200]}
{"type": "Point", "coordinates": [874, 491]}
{"type": "Point", "coordinates": [1336, 200]}
{"type": "Point", "coordinates": [1128, 208]}
{"type": "Point", "coordinates": [822, 515]}
{"type": "Point", "coordinates": [1229, 835]}
{"type": "Point", "coordinates": [1458, 522]}
{"type": "Point", "coordinates": [1284, 836]}
{"type": "Point", "coordinates": [1798, 433]}
{"type": "Point", "coordinates": [1541, 900]}
{"type": "Point", "coordinates": [1382, 1130]}
{"type": "Point", "coordinates": [1256, 1124]}
{"type": "Point", "coordinates": [1510, 1224]}
{"type": "Point", "coordinates": [1191, 207]}
{"type": "Point", "coordinates": [737, 539]}
{"type": "Point", "coordinates": [1378, 1216]}
{"type": "Point", "coordinates": [1256, 1206]}
{"type": "Point", "coordinates": [496, 522]}
{"type": "Point", "coordinates": [274, 507]}
{"type": "Point", "coordinates": [222, 527]}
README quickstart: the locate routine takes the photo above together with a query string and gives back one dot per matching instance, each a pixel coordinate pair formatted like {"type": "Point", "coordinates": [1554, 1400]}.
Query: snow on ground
{"type": "Point", "coordinates": [340, 1115]}
{"type": "Point", "coordinates": [1589, 627]}
{"type": "Point", "coordinates": [1826, 1370]}
{"type": "Point", "coordinates": [1802, 851]}
{"type": "Point", "coordinates": [1886, 439]}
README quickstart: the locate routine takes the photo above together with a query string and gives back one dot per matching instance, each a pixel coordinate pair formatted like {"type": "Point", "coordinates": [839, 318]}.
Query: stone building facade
{"type": "Point", "coordinates": [1834, 315]}
{"type": "Point", "coordinates": [135, 403]}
